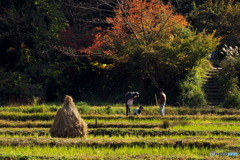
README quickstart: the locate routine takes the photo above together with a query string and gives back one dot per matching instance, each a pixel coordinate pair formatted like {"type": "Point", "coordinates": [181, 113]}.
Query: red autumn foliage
{"type": "Point", "coordinates": [145, 21]}
{"type": "Point", "coordinates": [75, 40]}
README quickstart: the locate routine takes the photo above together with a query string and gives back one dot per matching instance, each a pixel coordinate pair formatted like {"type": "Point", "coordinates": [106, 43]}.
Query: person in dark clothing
{"type": "Point", "coordinates": [129, 100]}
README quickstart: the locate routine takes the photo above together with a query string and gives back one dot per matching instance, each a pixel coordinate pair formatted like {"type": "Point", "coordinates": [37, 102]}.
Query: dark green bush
{"type": "Point", "coordinates": [192, 93]}
{"type": "Point", "coordinates": [166, 124]}
{"type": "Point", "coordinates": [229, 80]}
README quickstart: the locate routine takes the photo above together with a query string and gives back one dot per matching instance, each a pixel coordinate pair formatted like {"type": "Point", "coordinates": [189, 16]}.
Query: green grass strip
{"type": "Point", "coordinates": [111, 132]}
{"type": "Point", "coordinates": [116, 143]}
{"type": "Point", "coordinates": [120, 109]}
{"type": "Point", "coordinates": [134, 152]}
{"type": "Point", "coordinates": [50, 116]}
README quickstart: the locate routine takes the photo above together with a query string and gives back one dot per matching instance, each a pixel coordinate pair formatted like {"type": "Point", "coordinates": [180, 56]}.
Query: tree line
{"type": "Point", "coordinates": [96, 51]}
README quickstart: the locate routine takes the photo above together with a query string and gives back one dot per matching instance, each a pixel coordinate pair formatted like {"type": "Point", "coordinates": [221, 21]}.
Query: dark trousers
{"type": "Point", "coordinates": [127, 110]}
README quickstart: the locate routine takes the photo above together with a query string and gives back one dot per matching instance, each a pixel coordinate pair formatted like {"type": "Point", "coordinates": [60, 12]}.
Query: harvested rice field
{"type": "Point", "coordinates": [203, 133]}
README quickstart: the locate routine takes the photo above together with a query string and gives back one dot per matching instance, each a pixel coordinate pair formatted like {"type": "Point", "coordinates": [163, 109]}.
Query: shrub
{"type": "Point", "coordinates": [232, 99]}
{"type": "Point", "coordinates": [15, 88]}
{"type": "Point", "coordinates": [166, 124]}
{"type": "Point", "coordinates": [192, 93]}
{"type": "Point", "coordinates": [228, 78]}
{"type": "Point", "coordinates": [109, 110]}
{"type": "Point", "coordinates": [84, 109]}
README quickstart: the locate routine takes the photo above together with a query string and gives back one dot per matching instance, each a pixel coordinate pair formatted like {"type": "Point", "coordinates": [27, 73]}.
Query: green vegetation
{"type": "Point", "coordinates": [116, 110]}
{"type": "Point", "coordinates": [184, 133]}
{"type": "Point", "coordinates": [192, 92]}
{"type": "Point", "coordinates": [96, 51]}
{"type": "Point", "coordinates": [228, 78]}
{"type": "Point", "coordinates": [46, 59]}
{"type": "Point", "coordinates": [105, 152]}
{"type": "Point", "coordinates": [61, 51]}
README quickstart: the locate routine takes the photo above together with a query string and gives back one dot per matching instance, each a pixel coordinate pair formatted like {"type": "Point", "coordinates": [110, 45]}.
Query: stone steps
{"type": "Point", "coordinates": [212, 88]}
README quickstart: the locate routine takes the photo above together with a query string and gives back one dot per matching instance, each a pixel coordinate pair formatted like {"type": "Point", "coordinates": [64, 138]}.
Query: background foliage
{"type": "Point", "coordinates": [192, 93]}
{"type": "Point", "coordinates": [42, 44]}
{"type": "Point", "coordinates": [229, 79]}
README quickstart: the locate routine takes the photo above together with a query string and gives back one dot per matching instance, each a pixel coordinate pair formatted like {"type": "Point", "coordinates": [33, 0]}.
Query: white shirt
{"type": "Point", "coordinates": [136, 111]}
{"type": "Point", "coordinates": [130, 102]}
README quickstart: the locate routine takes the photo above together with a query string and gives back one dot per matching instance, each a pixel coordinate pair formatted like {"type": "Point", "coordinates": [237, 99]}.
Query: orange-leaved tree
{"type": "Point", "coordinates": [153, 40]}
{"type": "Point", "coordinates": [142, 21]}
{"type": "Point", "coordinates": [138, 28]}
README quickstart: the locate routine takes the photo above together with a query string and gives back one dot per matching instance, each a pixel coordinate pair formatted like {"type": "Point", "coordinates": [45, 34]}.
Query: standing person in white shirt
{"type": "Point", "coordinates": [129, 100]}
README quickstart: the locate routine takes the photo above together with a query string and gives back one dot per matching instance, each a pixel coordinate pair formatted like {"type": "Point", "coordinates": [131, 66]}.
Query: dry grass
{"type": "Point", "coordinates": [68, 122]}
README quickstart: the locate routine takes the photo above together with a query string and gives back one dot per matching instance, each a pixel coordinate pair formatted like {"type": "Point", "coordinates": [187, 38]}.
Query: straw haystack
{"type": "Point", "coordinates": [68, 122]}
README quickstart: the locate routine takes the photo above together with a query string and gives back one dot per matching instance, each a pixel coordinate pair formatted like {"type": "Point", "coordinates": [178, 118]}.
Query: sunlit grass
{"type": "Point", "coordinates": [139, 120]}
{"type": "Point", "coordinates": [194, 127]}
{"type": "Point", "coordinates": [116, 109]}
{"type": "Point", "coordinates": [105, 151]}
{"type": "Point", "coordinates": [174, 137]}
{"type": "Point", "coordinates": [126, 137]}
{"type": "Point", "coordinates": [207, 127]}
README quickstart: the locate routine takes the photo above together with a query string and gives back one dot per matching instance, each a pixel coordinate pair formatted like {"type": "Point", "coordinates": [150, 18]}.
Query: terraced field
{"type": "Point", "coordinates": [182, 134]}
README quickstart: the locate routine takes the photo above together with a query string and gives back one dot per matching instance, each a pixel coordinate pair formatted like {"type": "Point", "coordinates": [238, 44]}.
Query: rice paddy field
{"type": "Point", "coordinates": [184, 133]}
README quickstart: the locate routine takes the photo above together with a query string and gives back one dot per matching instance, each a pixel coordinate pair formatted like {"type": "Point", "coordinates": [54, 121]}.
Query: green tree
{"type": "Point", "coordinates": [29, 29]}
{"type": "Point", "coordinates": [220, 16]}
{"type": "Point", "coordinates": [229, 76]}
{"type": "Point", "coordinates": [152, 43]}
{"type": "Point", "coordinates": [191, 89]}
{"type": "Point", "coordinates": [139, 25]}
